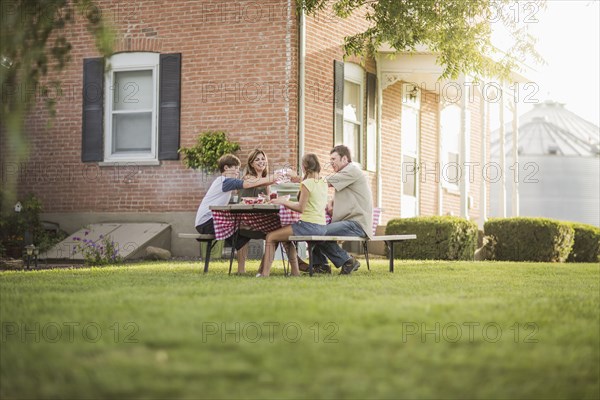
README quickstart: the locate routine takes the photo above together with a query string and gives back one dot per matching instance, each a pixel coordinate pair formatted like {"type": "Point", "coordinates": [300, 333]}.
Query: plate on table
{"type": "Point", "coordinates": [284, 198]}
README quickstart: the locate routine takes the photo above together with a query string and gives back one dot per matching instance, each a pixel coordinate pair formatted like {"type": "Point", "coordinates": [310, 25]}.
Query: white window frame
{"type": "Point", "coordinates": [130, 62]}
{"type": "Point", "coordinates": [411, 102]}
{"type": "Point", "coordinates": [354, 73]}
{"type": "Point", "coordinates": [447, 150]}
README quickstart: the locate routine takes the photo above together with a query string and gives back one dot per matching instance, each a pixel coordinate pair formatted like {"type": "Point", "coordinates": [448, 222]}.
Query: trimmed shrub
{"type": "Point", "coordinates": [530, 239]}
{"type": "Point", "coordinates": [438, 238]}
{"type": "Point", "coordinates": [587, 244]}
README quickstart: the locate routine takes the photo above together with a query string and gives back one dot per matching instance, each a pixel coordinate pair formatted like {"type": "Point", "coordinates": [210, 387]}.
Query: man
{"type": "Point", "coordinates": [351, 211]}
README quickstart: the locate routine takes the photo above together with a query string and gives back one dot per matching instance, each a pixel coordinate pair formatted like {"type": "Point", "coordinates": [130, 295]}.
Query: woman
{"type": "Point", "coordinates": [257, 167]}
{"type": "Point", "coordinates": [311, 203]}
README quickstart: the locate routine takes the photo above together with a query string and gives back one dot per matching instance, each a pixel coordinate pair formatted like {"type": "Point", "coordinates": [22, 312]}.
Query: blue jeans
{"type": "Point", "coordinates": [332, 250]}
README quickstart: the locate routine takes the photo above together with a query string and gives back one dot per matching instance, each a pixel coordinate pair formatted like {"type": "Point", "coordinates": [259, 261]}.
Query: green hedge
{"type": "Point", "coordinates": [438, 238]}
{"type": "Point", "coordinates": [530, 239]}
{"type": "Point", "coordinates": [587, 244]}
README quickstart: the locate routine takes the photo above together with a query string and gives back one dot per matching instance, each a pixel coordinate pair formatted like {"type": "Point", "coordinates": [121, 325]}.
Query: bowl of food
{"type": "Point", "coordinates": [253, 200]}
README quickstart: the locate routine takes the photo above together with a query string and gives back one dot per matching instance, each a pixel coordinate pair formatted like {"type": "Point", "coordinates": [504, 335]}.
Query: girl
{"type": "Point", "coordinates": [311, 203]}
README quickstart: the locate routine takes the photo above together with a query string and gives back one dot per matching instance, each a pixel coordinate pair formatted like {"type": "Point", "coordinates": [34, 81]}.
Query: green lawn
{"type": "Point", "coordinates": [429, 330]}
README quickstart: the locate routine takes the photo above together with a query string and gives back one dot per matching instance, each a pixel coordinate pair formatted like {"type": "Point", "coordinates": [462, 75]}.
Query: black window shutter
{"type": "Point", "coordinates": [338, 102]}
{"type": "Point", "coordinates": [169, 106]}
{"type": "Point", "coordinates": [92, 132]}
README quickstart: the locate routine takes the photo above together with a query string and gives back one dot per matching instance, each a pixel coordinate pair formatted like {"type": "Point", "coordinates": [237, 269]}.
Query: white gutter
{"type": "Point", "coordinates": [301, 83]}
{"type": "Point", "coordinates": [378, 132]}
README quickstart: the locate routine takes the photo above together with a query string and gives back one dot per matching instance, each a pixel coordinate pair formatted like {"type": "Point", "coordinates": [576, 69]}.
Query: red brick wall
{"type": "Point", "coordinates": [391, 161]}
{"type": "Point", "coordinates": [324, 38]}
{"type": "Point", "coordinates": [429, 153]}
{"type": "Point", "coordinates": [239, 62]}
{"type": "Point", "coordinates": [451, 200]}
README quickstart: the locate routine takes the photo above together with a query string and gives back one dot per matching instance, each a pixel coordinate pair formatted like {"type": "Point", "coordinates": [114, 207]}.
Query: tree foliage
{"type": "Point", "coordinates": [209, 147]}
{"type": "Point", "coordinates": [458, 31]}
{"type": "Point", "coordinates": [33, 40]}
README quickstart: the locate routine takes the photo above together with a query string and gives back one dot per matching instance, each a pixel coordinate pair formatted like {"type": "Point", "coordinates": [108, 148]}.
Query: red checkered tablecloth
{"type": "Point", "coordinates": [260, 220]}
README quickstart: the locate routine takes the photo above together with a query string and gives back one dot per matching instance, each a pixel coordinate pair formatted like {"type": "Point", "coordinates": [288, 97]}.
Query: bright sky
{"type": "Point", "coordinates": [568, 39]}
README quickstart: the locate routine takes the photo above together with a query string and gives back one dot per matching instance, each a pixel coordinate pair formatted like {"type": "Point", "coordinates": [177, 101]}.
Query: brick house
{"type": "Point", "coordinates": [268, 77]}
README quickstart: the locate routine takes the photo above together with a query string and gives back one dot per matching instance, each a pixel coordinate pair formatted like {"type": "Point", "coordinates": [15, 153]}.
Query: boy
{"type": "Point", "coordinates": [219, 194]}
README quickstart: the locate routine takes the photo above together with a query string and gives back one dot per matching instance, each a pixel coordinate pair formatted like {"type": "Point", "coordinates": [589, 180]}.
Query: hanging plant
{"type": "Point", "coordinates": [209, 147]}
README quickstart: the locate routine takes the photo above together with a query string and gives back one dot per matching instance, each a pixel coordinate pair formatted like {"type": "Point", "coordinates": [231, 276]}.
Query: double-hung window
{"type": "Point", "coordinates": [450, 130]}
{"type": "Point", "coordinates": [410, 133]}
{"type": "Point", "coordinates": [355, 112]}
{"type": "Point", "coordinates": [131, 107]}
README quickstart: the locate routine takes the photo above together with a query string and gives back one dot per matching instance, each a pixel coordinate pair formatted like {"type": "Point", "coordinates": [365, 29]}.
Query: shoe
{"type": "Point", "coordinates": [317, 268]}
{"type": "Point", "coordinates": [322, 269]}
{"type": "Point", "coordinates": [302, 266]}
{"type": "Point", "coordinates": [350, 266]}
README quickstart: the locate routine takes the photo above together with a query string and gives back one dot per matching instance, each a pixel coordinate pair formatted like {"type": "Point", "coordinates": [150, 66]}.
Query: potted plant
{"type": "Point", "coordinates": [209, 147]}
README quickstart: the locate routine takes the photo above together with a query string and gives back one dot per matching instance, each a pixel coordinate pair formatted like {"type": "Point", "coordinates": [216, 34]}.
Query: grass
{"type": "Point", "coordinates": [429, 330]}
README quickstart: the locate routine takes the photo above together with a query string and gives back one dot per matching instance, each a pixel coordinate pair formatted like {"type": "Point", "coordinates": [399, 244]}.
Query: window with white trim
{"type": "Point", "coordinates": [410, 133]}
{"type": "Point", "coordinates": [354, 94]}
{"type": "Point", "coordinates": [131, 107]}
{"type": "Point", "coordinates": [450, 131]}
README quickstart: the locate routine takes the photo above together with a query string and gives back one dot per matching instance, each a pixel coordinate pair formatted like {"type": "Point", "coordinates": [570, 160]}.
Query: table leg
{"type": "Point", "coordinates": [236, 232]}
{"type": "Point", "coordinates": [207, 256]}
{"type": "Point", "coordinates": [283, 259]}
{"type": "Point", "coordinates": [310, 259]}
{"type": "Point", "coordinates": [366, 251]}
{"type": "Point", "coordinates": [390, 245]}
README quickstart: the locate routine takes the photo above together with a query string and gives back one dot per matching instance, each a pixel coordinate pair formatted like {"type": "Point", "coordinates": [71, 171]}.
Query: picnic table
{"type": "Point", "coordinates": [257, 217]}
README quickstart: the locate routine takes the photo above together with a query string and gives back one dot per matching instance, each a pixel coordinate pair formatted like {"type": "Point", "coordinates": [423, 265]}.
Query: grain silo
{"type": "Point", "coordinates": [558, 166]}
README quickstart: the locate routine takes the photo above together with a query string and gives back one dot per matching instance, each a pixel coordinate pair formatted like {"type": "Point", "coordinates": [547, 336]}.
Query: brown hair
{"type": "Point", "coordinates": [342, 151]}
{"type": "Point", "coordinates": [310, 163]}
{"type": "Point", "coordinates": [250, 168]}
{"type": "Point", "coordinates": [228, 160]}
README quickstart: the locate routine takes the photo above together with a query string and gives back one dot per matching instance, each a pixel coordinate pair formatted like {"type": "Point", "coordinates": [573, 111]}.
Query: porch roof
{"type": "Point", "coordinates": [421, 68]}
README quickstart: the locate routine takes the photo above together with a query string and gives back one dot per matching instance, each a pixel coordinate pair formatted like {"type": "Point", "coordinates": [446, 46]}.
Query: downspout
{"type": "Point", "coordinates": [378, 131]}
{"type": "Point", "coordinates": [301, 83]}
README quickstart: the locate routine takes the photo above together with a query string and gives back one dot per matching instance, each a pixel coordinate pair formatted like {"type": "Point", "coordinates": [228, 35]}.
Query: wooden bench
{"type": "Point", "coordinates": [390, 241]}
{"type": "Point", "coordinates": [210, 241]}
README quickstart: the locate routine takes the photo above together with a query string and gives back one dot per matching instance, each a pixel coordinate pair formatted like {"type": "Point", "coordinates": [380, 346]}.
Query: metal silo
{"type": "Point", "coordinates": [558, 166]}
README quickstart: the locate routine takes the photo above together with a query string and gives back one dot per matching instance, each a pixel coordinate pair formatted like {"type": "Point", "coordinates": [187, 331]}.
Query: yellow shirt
{"type": "Point", "coordinates": [317, 201]}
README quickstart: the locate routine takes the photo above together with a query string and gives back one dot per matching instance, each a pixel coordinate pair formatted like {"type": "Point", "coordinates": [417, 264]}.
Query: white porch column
{"type": "Point", "coordinates": [515, 157]}
{"type": "Point", "coordinates": [440, 202]}
{"type": "Point", "coordinates": [485, 125]}
{"type": "Point", "coordinates": [464, 150]}
{"type": "Point", "coordinates": [502, 154]}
